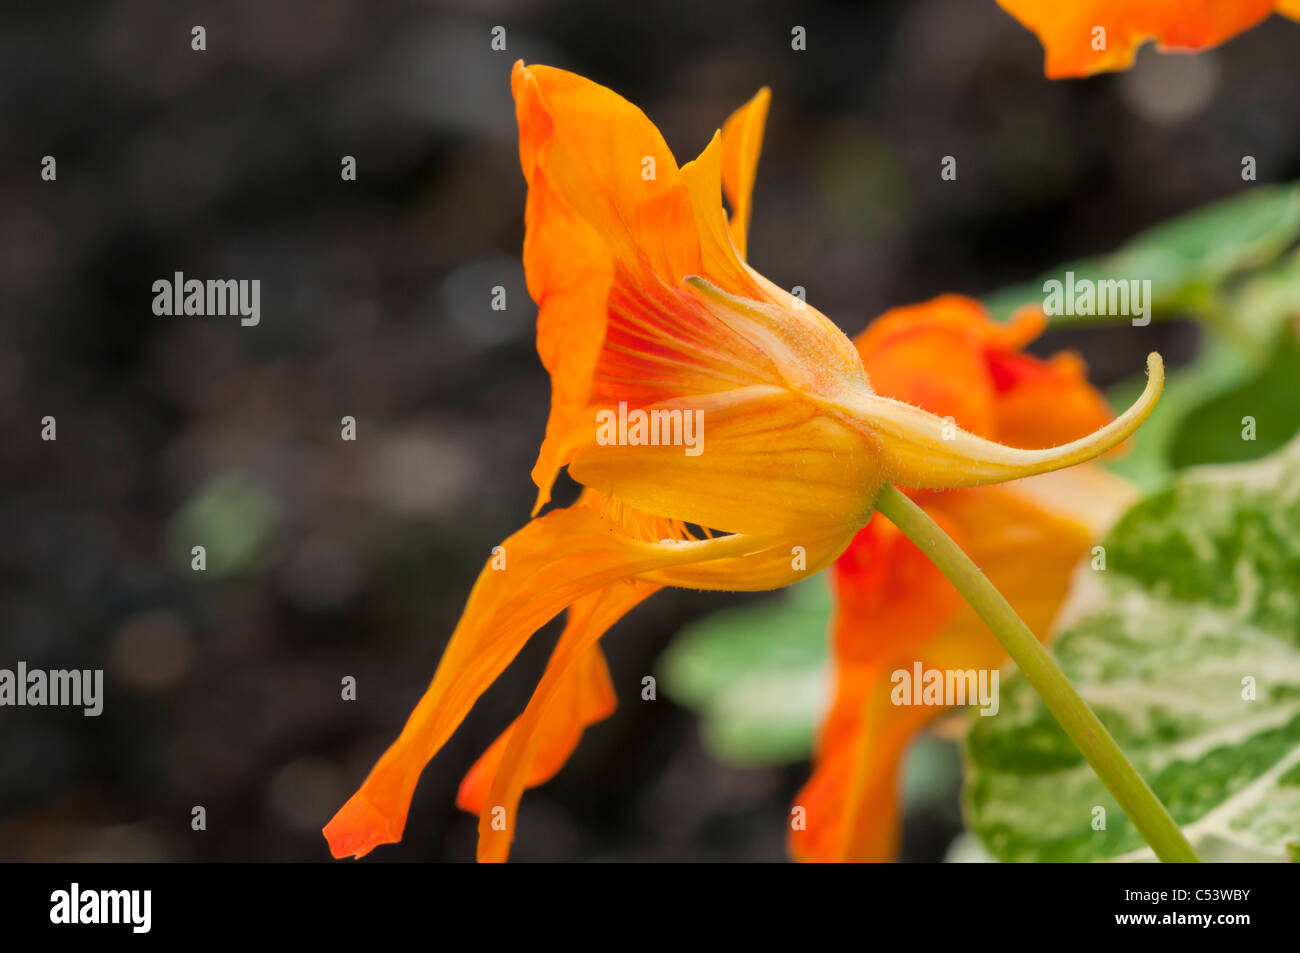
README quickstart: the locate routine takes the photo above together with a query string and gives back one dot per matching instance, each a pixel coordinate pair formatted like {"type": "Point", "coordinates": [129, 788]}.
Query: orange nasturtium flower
{"type": "Point", "coordinates": [894, 609]}
{"type": "Point", "coordinates": [1082, 37]}
{"type": "Point", "coordinates": [646, 305]}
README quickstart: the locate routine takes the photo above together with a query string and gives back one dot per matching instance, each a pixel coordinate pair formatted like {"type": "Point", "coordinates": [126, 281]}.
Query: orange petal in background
{"type": "Point", "coordinates": [851, 805]}
{"type": "Point", "coordinates": [1044, 403]}
{"type": "Point", "coordinates": [1067, 28]}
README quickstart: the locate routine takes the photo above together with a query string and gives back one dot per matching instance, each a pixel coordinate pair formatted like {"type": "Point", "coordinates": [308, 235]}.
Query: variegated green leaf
{"type": "Point", "coordinates": [1187, 646]}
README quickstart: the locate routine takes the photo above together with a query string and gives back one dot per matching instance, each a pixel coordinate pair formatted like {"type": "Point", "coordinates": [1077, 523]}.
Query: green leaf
{"type": "Point", "coordinates": [1200, 602]}
{"type": "Point", "coordinates": [1185, 258]}
{"type": "Point", "coordinates": [757, 674]}
{"type": "Point", "coordinates": [1207, 245]}
{"type": "Point", "coordinates": [1248, 421]}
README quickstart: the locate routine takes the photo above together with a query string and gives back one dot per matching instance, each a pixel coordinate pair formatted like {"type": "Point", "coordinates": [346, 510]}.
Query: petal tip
{"type": "Point", "coordinates": [359, 827]}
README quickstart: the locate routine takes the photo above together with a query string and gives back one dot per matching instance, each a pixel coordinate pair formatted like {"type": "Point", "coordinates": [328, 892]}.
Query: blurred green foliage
{"type": "Point", "coordinates": [758, 675]}
{"type": "Point", "coordinates": [1185, 259]}
{"type": "Point", "coordinates": [1250, 420]}
{"type": "Point", "coordinates": [231, 517]}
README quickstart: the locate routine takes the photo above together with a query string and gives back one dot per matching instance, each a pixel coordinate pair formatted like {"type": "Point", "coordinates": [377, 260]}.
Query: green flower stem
{"type": "Point", "coordinates": [1071, 711]}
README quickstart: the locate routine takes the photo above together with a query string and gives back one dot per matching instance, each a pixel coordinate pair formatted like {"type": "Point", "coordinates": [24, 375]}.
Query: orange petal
{"type": "Point", "coordinates": [564, 122]}
{"type": "Point", "coordinates": [550, 564]}
{"type": "Point", "coordinates": [720, 259]}
{"type": "Point", "coordinates": [958, 316]}
{"type": "Point", "coordinates": [742, 141]}
{"type": "Point", "coordinates": [1068, 30]}
{"type": "Point", "coordinates": [570, 291]}
{"type": "Point", "coordinates": [611, 166]}
{"type": "Point", "coordinates": [1044, 403]}
{"type": "Point", "coordinates": [582, 699]}
{"type": "Point", "coordinates": [851, 806]}
{"type": "Point", "coordinates": [574, 692]}
{"type": "Point", "coordinates": [569, 271]}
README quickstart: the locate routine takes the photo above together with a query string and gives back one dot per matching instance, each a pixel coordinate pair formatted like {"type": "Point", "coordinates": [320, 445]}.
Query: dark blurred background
{"type": "Point", "coordinates": [329, 558]}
